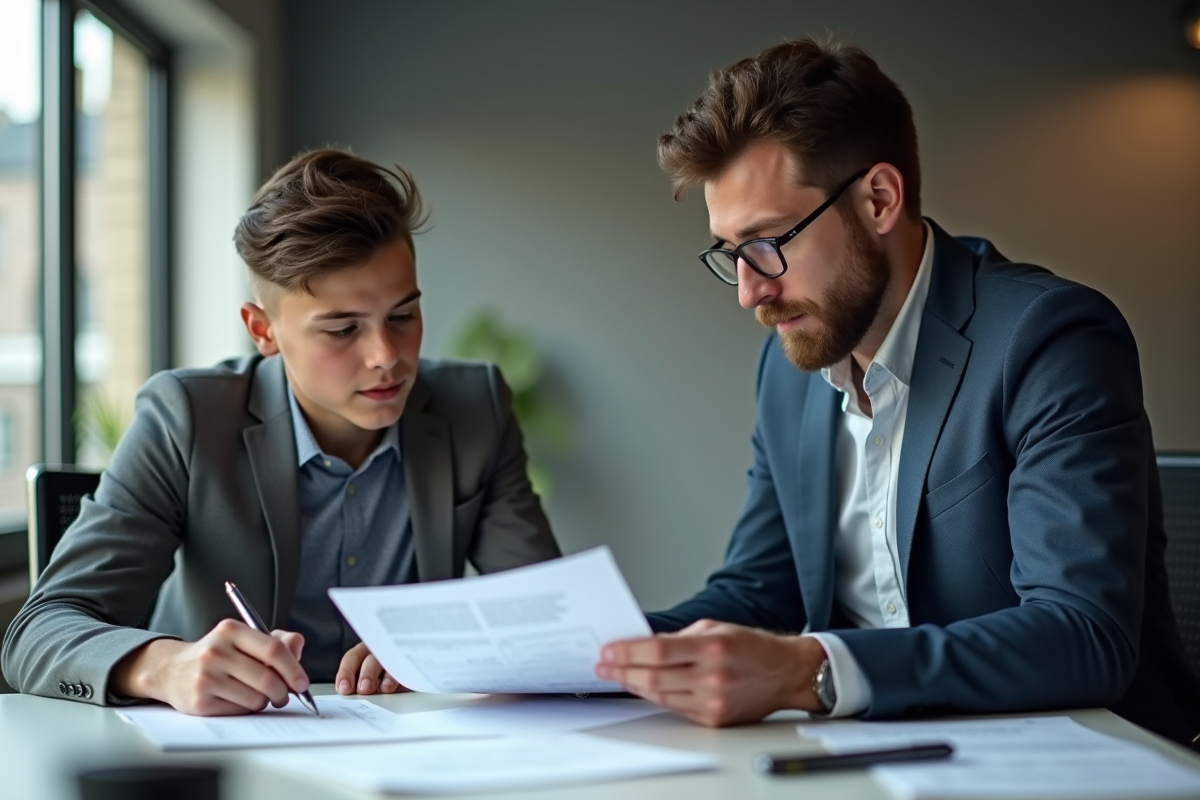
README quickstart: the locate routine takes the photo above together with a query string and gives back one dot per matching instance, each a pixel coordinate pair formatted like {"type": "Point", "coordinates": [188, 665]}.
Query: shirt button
{"type": "Point", "coordinates": [328, 463]}
{"type": "Point", "coordinates": [878, 441]}
{"type": "Point", "coordinates": [891, 607]}
{"type": "Point", "coordinates": [351, 561]}
{"type": "Point", "coordinates": [350, 489]}
{"type": "Point", "coordinates": [878, 522]}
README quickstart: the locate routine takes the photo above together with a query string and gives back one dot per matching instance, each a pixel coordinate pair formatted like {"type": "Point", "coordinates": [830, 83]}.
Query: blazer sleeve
{"type": "Point", "coordinates": [757, 584]}
{"type": "Point", "coordinates": [512, 529]}
{"type": "Point", "coordinates": [81, 615]}
{"type": "Point", "coordinates": [1077, 509]}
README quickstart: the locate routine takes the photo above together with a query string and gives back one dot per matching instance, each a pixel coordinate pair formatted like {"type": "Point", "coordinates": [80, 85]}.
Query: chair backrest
{"type": "Point", "coordinates": [1180, 476]}
{"type": "Point", "coordinates": [55, 493]}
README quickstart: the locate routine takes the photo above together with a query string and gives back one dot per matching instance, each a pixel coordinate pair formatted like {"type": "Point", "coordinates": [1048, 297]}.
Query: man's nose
{"type": "Point", "coordinates": [753, 289]}
{"type": "Point", "coordinates": [382, 350]}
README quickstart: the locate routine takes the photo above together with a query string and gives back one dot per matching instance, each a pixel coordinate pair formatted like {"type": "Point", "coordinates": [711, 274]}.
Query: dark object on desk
{"type": "Point", "coordinates": [55, 493]}
{"type": "Point", "coordinates": [1180, 477]}
{"type": "Point", "coordinates": [801, 765]}
{"type": "Point", "coordinates": [151, 783]}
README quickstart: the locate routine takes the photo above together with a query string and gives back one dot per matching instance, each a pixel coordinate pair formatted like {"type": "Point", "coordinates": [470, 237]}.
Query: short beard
{"type": "Point", "coordinates": [847, 310]}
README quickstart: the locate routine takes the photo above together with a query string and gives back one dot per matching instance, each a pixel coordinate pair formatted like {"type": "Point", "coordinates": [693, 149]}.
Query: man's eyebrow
{"type": "Point", "coordinates": [759, 225]}
{"type": "Point", "coordinates": [325, 316]}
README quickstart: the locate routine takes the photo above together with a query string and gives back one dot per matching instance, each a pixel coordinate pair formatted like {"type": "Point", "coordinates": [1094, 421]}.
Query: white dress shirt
{"type": "Point", "coordinates": [868, 584]}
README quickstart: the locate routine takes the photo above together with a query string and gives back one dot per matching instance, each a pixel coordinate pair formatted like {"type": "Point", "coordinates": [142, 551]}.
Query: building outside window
{"type": "Point", "coordinates": [20, 199]}
{"type": "Point", "coordinates": [83, 272]}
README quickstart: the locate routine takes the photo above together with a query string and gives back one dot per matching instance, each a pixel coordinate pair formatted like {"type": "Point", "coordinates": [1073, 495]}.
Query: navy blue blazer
{"type": "Point", "coordinates": [1029, 517]}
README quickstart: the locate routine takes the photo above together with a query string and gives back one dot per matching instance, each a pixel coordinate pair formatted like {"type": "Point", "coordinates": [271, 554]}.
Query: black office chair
{"type": "Point", "coordinates": [55, 493]}
{"type": "Point", "coordinates": [1180, 476]}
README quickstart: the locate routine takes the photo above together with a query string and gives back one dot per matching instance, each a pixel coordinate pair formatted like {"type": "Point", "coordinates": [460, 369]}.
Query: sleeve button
{"type": "Point", "coordinates": [62, 688]}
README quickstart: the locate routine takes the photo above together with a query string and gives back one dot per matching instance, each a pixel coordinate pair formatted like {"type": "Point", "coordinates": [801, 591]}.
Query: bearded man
{"type": "Point", "coordinates": [953, 504]}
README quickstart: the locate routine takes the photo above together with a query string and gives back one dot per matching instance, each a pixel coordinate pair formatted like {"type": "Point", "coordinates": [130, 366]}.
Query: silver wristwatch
{"type": "Point", "coordinates": [823, 687]}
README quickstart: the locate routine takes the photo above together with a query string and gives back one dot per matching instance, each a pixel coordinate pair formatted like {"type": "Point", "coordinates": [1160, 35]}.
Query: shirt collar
{"type": "Point", "coordinates": [899, 348]}
{"type": "Point", "coordinates": [306, 444]}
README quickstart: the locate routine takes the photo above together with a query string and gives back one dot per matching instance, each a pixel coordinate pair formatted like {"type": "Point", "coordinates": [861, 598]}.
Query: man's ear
{"type": "Point", "coordinates": [883, 198]}
{"type": "Point", "coordinates": [258, 325]}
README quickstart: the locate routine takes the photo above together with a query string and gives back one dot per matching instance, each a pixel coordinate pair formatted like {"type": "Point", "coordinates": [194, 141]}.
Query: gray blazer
{"type": "Point", "coordinates": [202, 489]}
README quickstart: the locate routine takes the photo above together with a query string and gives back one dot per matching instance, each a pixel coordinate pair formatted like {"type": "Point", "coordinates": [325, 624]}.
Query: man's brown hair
{"type": "Point", "coordinates": [323, 211]}
{"type": "Point", "coordinates": [828, 102]}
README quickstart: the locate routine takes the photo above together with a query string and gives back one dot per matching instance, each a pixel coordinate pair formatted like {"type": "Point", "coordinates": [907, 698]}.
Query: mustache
{"type": "Point", "coordinates": [771, 314]}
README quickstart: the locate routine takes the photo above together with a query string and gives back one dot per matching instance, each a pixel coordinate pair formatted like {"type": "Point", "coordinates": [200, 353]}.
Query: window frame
{"type": "Point", "coordinates": [58, 270]}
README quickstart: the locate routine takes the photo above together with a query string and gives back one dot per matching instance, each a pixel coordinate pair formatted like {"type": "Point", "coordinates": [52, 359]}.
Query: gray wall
{"type": "Point", "coordinates": [1067, 132]}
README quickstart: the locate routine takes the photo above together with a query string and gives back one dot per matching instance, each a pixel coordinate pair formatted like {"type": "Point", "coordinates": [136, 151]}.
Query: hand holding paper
{"type": "Point", "coordinates": [534, 629]}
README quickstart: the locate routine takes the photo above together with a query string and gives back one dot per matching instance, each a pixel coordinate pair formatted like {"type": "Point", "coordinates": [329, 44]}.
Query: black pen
{"type": "Point", "coordinates": [797, 765]}
{"type": "Point", "coordinates": [251, 618]}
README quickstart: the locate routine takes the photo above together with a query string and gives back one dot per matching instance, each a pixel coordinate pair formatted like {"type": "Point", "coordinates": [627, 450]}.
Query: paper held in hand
{"type": "Point", "coordinates": [533, 629]}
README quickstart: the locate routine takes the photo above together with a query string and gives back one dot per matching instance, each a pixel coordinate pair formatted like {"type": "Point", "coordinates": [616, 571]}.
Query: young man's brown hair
{"type": "Point", "coordinates": [321, 212]}
{"type": "Point", "coordinates": [829, 103]}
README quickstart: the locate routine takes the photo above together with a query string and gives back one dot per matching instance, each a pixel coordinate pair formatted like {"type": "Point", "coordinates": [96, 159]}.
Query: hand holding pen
{"type": "Point", "coordinates": [254, 621]}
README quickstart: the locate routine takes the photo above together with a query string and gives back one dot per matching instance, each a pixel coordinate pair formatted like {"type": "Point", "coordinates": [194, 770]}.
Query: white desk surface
{"type": "Point", "coordinates": [44, 742]}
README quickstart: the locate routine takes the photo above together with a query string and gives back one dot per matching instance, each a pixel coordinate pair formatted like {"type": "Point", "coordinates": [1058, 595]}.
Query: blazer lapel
{"type": "Point", "coordinates": [272, 451]}
{"type": "Point", "coordinates": [815, 529]}
{"type": "Point", "coordinates": [429, 477]}
{"type": "Point", "coordinates": [938, 367]}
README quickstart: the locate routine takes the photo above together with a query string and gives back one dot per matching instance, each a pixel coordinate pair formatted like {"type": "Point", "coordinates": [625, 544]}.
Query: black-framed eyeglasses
{"type": "Point", "coordinates": [765, 256]}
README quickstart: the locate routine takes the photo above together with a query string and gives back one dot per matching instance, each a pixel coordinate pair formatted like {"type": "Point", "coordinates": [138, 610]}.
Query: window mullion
{"type": "Point", "coordinates": [58, 231]}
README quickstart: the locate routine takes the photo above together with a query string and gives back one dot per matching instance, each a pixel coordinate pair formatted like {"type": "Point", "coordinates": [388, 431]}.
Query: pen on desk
{"type": "Point", "coordinates": [797, 764]}
{"type": "Point", "coordinates": [251, 618]}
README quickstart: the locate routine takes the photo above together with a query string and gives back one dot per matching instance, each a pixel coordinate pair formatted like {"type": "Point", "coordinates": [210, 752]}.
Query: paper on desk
{"type": "Point", "coordinates": [343, 720]}
{"type": "Point", "coordinates": [533, 629]}
{"type": "Point", "coordinates": [985, 737]}
{"type": "Point", "coordinates": [529, 716]}
{"type": "Point", "coordinates": [348, 720]}
{"type": "Point", "coordinates": [487, 764]}
{"type": "Point", "coordinates": [1013, 758]}
{"type": "Point", "coordinates": [1136, 772]}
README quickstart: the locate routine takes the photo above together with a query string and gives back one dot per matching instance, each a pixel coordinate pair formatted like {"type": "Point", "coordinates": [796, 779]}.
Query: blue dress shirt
{"type": "Point", "coordinates": [355, 530]}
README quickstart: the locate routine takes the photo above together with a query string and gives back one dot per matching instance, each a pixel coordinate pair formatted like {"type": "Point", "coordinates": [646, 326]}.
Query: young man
{"type": "Point", "coordinates": [334, 457]}
{"type": "Point", "coordinates": [953, 502]}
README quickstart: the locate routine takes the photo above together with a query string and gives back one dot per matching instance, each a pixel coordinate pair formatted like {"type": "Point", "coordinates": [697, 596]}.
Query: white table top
{"type": "Point", "coordinates": [44, 742]}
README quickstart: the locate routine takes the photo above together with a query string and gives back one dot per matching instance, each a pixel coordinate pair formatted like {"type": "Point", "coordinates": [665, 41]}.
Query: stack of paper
{"type": "Point", "coordinates": [347, 720]}
{"type": "Point", "coordinates": [486, 765]}
{"type": "Point", "coordinates": [1013, 758]}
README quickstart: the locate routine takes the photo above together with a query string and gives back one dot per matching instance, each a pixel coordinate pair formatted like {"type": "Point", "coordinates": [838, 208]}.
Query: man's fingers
{"type": "Point", "coordinates": [347, 675]}
{"type": "Point", "coordinates": [663, 650]}
{"type": "Point", "coordinates": [263, 680]}
{"type": "Point", "coordinates": [369, 674]}
{"type": "Point", "coordinates": [389, 685]}
{"type": "Point", "coordinates": [264, 648]}
{"type": "Point", "coordinates": [647, 679]}
{"type": "Point", "coordinates": [293, 640]}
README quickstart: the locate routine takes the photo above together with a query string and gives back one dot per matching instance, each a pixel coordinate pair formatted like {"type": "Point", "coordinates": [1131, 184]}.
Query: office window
{"type": "Point", "coordinates": [112, 292]}
{"type": "Point", "coordinates": [83, 256]}
{"type": "Point", "coordinates": [20, 333]}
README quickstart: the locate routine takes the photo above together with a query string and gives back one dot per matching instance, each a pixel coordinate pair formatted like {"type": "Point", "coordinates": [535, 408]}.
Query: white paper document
{"type": "Point", "coordinates": [486, 764]}
{"type": "Point", "coordinates": [528, 716]}
{"type": "Point", "coordinates": [349, 720]}
{"type": "Point", "coordinates": [1013, 758]}
{"type": "Point", "coordinates": [343, 720]}
{"type": "Point", "coordinates": [533, 629]}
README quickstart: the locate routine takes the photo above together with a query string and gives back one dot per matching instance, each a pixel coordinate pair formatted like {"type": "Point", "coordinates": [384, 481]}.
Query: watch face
{"type": "Point", "coordinates": [823, 686]}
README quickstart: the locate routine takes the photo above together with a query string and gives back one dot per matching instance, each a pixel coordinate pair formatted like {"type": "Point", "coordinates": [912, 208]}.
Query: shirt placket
{"type": "Point", "coordinates": [878, 460]}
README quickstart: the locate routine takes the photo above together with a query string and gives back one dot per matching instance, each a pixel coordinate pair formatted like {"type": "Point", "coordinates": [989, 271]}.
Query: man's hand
{"type": "Point", "coordinates": [716, 673]}
{"type": "Point", "coordinates": [359, 669]}
{"type": "Point", "coordinates": [232, 670]}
